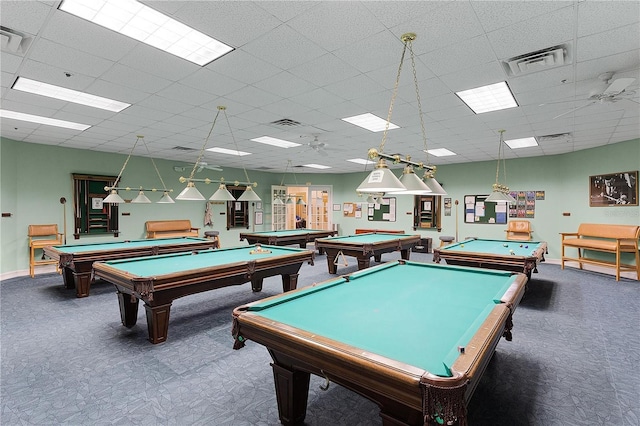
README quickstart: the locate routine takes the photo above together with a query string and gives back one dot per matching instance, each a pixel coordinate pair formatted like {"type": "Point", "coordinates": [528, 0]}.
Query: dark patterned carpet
{"type": "Point", "coordinates": [574, 359]}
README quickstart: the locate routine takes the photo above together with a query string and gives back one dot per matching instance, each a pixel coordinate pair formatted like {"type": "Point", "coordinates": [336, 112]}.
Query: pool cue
{"type": "Point", "coordinates": [64, 218]}
{"type": "Point", "coordinates": [456, 220]}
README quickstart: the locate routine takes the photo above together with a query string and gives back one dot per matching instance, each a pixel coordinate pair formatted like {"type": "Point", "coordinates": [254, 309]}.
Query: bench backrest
{"type": "Point", "coordinates": [609, 231]}
{"type": "Point", "coordinates": [168, 225]}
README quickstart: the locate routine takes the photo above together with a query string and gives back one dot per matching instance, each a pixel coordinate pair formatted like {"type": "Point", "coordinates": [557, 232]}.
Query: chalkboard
{"type": "Point", "coordinates": [476, 210]}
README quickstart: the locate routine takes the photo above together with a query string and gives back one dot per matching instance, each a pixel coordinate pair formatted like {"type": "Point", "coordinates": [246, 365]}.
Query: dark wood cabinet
{"type": "Point", "coordinates": [426, 212]}
{"type": "Point", "coordinates": [91, 215]}
{"type": "Point", "coordinates": [237, 211]}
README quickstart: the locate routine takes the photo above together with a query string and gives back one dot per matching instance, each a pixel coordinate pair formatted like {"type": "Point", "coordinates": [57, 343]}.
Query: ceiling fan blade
{"type": "Point", "coordinates": [573, 110]}
{"type": "Point", "coordinates": [618, 86]}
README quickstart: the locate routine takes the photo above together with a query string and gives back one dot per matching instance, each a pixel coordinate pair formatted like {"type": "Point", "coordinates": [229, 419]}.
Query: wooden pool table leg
{"type": "Point", "coordinates": [128, 309]}
{"type": "Point", "coordinates": [82, 283]}
{"type": "Point", "coordinates": [289, 282]}
{"type": "Point", "coordinates": [405, 253]}
{"type": "Point", "coordinates": [364, 262]}
{"type": "Point", "coordinates": [158, 322]}
{"type": "Point", "coordinates": [331, 259]}
{"type": "Point", "coordinates": [292, 392]}
{"type": "Point", "coordinates": [256, 284]}
{"type": "Point", "coordinates": [67, 277]}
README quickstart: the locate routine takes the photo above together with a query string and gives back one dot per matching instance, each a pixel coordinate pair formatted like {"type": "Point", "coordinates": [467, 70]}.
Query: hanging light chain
{"type": "Point", "coordinates": [415, 81]}
{"type": "Point", "coordinates": [206, 141]}
{"type": "Point", "coordinates": [124, 166]}
{"type": "Point", "coordinates": [235, 143]}
{"type": "Point", "coordinates": [406, 38]}
{"type": "Point", "coordinates": [164, 187]}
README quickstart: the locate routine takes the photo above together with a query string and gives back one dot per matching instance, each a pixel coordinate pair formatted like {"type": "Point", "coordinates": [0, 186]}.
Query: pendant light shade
{"type": "Point", "coordinates": [249, 195]}
{"type": "Point", "coordinates": [381, 179]}
{"type": "Point", "coordinates": [190, 193]}
{"type": "Point", "coordinates": [141, 199]}
{"type": "Point", "coordinates": [222, 194]}
{"type": "Point", "coordinates": [166, 199]}
{"type": "Point", "coordinates": [113, 198]}
{"type": "Point", "coordinates": [301, 202]}
{"type": "Point", "coordinates": [433, 184]}
{"type": "Point", "coordinates": [413, 184]}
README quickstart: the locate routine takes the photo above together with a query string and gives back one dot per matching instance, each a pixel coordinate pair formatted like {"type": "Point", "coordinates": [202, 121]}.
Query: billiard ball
{"type": "Point", "coordinates": [511, 252]}
{"type": "Point", "coordinates": [506, 245]}
{"type": "Point", "coordinates": [526, 246]}
{"type": "Point", "coordinates": [520, 245]}
{"type": "Point", "coordinates": [461, 245]}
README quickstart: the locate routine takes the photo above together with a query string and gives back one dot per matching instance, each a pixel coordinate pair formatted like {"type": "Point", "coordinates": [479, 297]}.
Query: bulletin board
{"type": "Point", "coordinates": [384, 211]}
{"type": "Point", "coordinates": [476, 210]}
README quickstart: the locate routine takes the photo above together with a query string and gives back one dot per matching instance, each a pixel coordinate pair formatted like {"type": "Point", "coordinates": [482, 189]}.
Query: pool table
{"type": "Point", "coordinates": [494, 254]}
{"type": "Point", "coordinates": [364, 246]}
{"type": "Point", "coordinates": [285, 237]}
{"type": "Point", "coordinates": [158, 280]}
{"type": "Point", "coordinates": [413, 337]}
{"type": "Point", "coordinates": [76, 261]}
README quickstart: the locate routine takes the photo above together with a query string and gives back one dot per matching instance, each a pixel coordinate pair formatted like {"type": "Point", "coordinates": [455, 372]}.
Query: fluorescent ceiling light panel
{"type": "Point", "coordinates": [440, 152]}
{"type": "Point", "coordinates": [275, 142]}
{"type": "Point", "coordinates": [316, 166]}
{"type": "Point", "coordinates": [493, 97]}
{"type": "Point", "coordinates": [361, 161]}
{"type": "Point", "coordinates": [42, 120]}
{"type": "Point", "coordinates": [142, 23]}
{"type": "Point", "coordinates": [521, 143]}
{"type": "Point", "coordinates": [228, 151]}
{"type": "Point", "coordinates": [370, 122]}
{"type": "Point", "coordinates": [44, 89]}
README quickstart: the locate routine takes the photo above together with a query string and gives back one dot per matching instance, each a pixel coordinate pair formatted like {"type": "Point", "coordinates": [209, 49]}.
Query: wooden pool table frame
{"type": "Point", "coordinates": [406, 395]}
{"type": "Point", "coordinates": [159, 291]}
{"type": "Point", "coordinates": [279, 238]}
{"type": "Point", "coordinates": [77, 266]}
{"type": "Point", "coordinates": [505, 262]}
{"type": "Point", "coordinates": [364, 251]}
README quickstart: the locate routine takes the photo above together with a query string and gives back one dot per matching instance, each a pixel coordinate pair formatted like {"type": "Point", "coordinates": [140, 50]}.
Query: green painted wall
{"type": "Point", "coordinates": [42, 175]}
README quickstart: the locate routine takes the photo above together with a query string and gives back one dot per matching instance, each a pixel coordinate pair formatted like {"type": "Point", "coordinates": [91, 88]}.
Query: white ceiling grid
{"type": "Point", "coordinates": [318, 62]}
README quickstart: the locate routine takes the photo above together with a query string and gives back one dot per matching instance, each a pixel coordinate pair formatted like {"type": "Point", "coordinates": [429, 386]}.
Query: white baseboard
{"type": "Point", "coordinates": [43, 269]}
{"type": "Point", "coordinates": [594, 268]}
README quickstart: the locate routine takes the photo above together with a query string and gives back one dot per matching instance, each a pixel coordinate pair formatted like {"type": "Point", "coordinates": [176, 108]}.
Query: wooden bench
{"type": "Point", "coordinates": [377, 231]}
{"type": "Point", "coordinates": [170, 228]}
{"type": "Point", "coordinates": [615, 239]}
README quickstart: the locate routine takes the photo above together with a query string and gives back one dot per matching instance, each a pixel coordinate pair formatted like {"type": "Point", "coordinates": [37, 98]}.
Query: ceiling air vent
{"type": "Point", "coordinates": [537, 61]}
{"type": "Point", "coordinates": [558, 137]}
{"type": "Point", "coordinates": [286, 122]}
{"type": "Point", "coordinates": [13, 41]}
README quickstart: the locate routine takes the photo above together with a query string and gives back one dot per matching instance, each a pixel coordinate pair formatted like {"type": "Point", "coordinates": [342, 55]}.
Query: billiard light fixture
{"type": "Point", "coordinates": [191, 193]}
{"type": "Point", "coordinates": [115, 198]}
{"type": "Point", "coordinates": [500, 193]}
{"type": "Point", "coordinates": [289, 199]}
{"type": "Point", "coordinates": [381, 180]}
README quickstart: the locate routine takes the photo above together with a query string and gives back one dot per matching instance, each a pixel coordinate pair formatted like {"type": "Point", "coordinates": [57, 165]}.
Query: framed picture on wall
{"type": "Point", "coordinates": [616, 189]}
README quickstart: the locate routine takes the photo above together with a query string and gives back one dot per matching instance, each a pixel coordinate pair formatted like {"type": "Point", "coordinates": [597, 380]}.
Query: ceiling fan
{"type": "Point", "coordinates": [614, 92]}
{"type": "Point", "coordinates": [201, 166]}
{"type": "Point", "coordinates": [318, 146]}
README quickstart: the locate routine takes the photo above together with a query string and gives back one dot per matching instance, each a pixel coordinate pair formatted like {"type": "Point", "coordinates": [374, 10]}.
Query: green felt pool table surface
{"type": "Point", "coordinates": [517, 256]}
{"type": "Point", "coordinates": [158, 280]}
{"type": "Point", "coordinates": [76, 260]}
{"type": "Point", "coordinates": [132, 244]}
{"type": "Point", "coordinates": [408, 317]}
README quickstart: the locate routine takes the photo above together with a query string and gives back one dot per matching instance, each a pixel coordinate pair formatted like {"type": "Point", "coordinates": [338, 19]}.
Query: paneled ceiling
{"type": "Point", "coordinates": [314, 63]}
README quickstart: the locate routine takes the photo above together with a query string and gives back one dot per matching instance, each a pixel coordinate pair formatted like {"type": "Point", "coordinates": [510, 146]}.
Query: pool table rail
{"type": "Point", "coordinates": [406, 394]}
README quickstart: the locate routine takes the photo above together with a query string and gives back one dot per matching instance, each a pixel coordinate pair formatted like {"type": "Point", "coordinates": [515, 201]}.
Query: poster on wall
{"type": "Point", "coordinates": [616, 189]}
